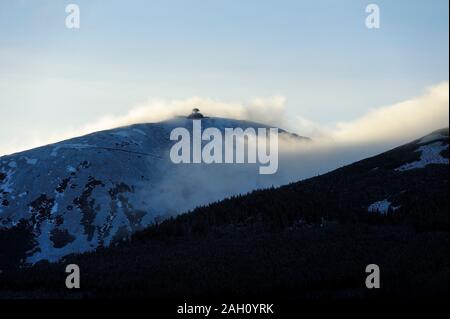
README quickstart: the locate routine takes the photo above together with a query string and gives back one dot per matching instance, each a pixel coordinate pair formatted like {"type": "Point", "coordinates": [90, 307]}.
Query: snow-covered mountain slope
{"type": "Point", "coordinates": [90, 191]}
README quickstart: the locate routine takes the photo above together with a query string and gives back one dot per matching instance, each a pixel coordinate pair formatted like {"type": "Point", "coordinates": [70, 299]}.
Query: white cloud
{"type": "Point", "coordinates": [405, 120]}
{"type": "Point", "coordinates": [397, 123]}
{"type": "Point", "coordinates": [270, 110]}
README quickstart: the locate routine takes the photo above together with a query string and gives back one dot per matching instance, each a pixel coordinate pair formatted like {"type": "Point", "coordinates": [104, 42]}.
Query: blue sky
{"type": "Point", "coordinates": [317, 54]}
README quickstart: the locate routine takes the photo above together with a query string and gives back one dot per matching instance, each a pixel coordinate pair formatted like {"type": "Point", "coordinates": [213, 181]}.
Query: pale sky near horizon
{"type": "Point", "coordinates": [318, 55]}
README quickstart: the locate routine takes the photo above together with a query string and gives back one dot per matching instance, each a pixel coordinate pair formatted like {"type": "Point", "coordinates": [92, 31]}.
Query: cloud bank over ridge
{"type": "Point", "coordinates": [395, 123]}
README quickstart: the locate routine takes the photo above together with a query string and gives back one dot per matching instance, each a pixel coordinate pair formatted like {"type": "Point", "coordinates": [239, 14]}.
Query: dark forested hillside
{"type": "Point", "coordinates": [311, 239]}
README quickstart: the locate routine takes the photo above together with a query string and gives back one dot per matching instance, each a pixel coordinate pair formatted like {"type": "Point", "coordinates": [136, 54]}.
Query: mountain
{"type": "Point", "coordinates": [91, 191]}
{"type": "Point", "coordinates": [309, 239]}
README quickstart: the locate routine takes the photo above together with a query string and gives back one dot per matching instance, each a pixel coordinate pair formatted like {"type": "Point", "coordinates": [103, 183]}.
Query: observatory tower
{"type": "Point", "coordinates": [195, 114]}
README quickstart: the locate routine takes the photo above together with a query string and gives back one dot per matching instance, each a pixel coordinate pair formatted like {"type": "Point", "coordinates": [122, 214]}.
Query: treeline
{"type": "Point", "coordinates": [418, 198]}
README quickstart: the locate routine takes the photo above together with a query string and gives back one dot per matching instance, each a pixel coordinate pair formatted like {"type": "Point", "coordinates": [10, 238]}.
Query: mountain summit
{"type": "Point", "coordinates": [91, 191]}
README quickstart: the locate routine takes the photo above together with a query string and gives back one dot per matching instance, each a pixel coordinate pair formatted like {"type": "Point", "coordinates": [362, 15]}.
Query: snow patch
{"type": "Point", "coordinates": [78, 147]}
{"type": "Point", "coordinates": [431, 154]}
{"type": "Point", "coordinates": [121, 134]}
{"type": "Point", "coordinates": [7, 183]}
{"type": "Point", "coordinates": [54, 209]}
{"type": "Point", "coordinates": [52, 254]}
{"type": "Point", "coordinates": [71, 169]}
{"type": "Point", "coordinates": [381, 207]}
{"type": "Point", "coordinates": [12, 164]}
{"type": "Point", "coordinates": [139, 131]}
{"type": "Point", "coordinates": [30, 161]}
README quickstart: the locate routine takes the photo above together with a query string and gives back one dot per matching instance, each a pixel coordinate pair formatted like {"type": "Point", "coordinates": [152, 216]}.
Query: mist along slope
{"type": "Point", "coordinates": [91, 191]}
{"type": "Point", "coordinates": [311, 239]}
